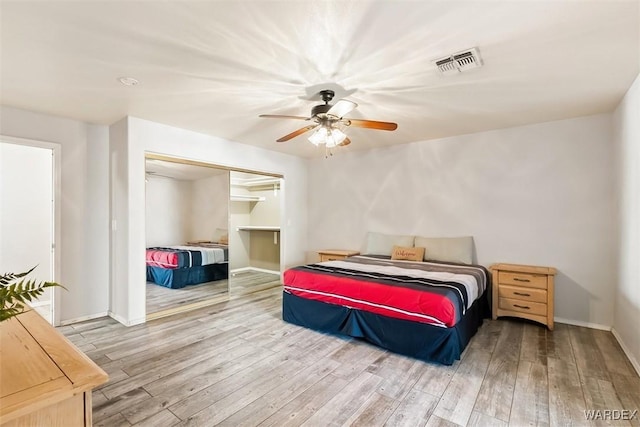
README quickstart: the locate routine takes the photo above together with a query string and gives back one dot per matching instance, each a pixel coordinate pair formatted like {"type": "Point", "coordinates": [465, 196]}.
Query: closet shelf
{"type": "Point", "coordinates": [257, 228]}
{"type": "Point", "coordinates": [245, 198]}
{"type": "Point", "coordinates": [253, 182]}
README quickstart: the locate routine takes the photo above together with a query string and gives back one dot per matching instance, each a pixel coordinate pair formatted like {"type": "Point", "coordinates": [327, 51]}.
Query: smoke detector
{"type": "Point", "coordinates": [459, 62]}
{"type": "Point", "coordinates": [128, 81]}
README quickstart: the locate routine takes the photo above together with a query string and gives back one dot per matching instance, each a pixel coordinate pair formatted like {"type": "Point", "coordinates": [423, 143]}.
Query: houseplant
{"type": "Point", "coordinates": [16, 291]}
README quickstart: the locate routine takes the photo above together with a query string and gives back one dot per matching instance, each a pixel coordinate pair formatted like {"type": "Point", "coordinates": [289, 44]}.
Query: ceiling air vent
{"type": "Point", "coordinates": [458, 62]}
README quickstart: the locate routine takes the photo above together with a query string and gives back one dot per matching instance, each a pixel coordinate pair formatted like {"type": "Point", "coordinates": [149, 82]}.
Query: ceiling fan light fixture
{"type": "Point", "coordinates": [328, 137]}
{"type": "Point", "coordinates": [327, 120]}
{"type": "Point", "coordinates": [335, 137]}
{"type": "Point", "coordinates": [319, 136]}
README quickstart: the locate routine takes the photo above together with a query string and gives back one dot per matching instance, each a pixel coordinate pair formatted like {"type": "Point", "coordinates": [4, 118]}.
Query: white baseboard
{"type": "Point", "coordinates": [626, 350]}
{"type": "Point", "coordinates": [137, 321]}
{"type": "Point", "coordinates": [39, 303]}
{"type": "Point", "coordinates": [581, 323]}
{"type": "Point", "coordinates": [83, 318]}
{"type": "Point", "coordinates": [124, 321]}
{"type": "Point", "coordinates": [261, 270]}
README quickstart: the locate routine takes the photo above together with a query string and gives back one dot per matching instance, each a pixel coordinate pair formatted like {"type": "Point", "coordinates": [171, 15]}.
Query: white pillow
{"type": "Point", "coordinates": [382, 244]}
{"type": "Point", "coordinates": [448, 249]}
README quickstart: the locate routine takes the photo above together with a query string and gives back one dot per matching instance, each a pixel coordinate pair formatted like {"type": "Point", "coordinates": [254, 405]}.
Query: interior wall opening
{"type": "Point", "coordinates": [29, 228]}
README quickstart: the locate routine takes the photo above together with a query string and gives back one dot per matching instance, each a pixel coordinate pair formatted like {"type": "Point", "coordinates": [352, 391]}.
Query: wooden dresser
{"type": "Point", "coordinates": [335, 254]}
{"type": "Point", "coordinates": [524, 291]}
{"type": "Point", "coordinates": [44, 379]}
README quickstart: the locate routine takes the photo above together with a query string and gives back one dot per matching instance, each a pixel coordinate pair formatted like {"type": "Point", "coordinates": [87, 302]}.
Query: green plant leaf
{"type": "Point", "coordinates": [16, 291]}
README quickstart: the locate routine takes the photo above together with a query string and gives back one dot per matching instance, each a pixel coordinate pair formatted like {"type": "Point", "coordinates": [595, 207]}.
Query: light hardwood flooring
{"type": "Point", "coordinates": [160, 298]}
{"type": "Point", "coordinates": [247, 281]}
{"type": "Point", "coordinates": [238, 364]}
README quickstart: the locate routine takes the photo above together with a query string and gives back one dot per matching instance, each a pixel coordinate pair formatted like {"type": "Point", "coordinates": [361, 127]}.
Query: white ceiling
{"type": "Point", "coordinates": [214, 66]}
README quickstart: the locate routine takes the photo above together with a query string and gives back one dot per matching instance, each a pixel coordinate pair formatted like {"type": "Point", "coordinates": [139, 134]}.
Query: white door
{"type": "Point", "coordinates": [26, 216]}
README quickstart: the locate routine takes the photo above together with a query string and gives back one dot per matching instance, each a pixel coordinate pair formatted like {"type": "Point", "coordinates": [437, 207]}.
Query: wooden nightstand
{"type": "Point", "coordinates": [524, 291]}
{"type": "Point", "coordinates": [335, 254]}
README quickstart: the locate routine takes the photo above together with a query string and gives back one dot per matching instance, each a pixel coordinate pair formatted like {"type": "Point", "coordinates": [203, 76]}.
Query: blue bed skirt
{"type": "Point", "coordinates": [419, 340]}
{"type": "Point", "coordinates": [181, 277]}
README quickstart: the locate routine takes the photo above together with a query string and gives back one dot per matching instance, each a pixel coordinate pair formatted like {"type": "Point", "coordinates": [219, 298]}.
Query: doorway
{"type": "Point", "coordinates": [28, 192]}
{"type": "Point", "coordinates": [254, 232]}
{"type": "Point", "coordinates": [190, 214]}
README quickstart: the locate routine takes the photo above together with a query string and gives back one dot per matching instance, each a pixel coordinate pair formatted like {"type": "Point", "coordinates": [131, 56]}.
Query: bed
{"type": "Point", "coordinates": [427, 310]}
{"type": "Point", "coordinates": [179, 266]}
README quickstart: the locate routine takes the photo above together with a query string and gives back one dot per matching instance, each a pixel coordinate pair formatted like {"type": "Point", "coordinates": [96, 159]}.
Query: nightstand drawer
{"type": "Point", "coordinates": [522, 293]}
{"type": "Point", "coordinates": [331, 257]}
{"type": "Point", "coordinates": [523, 306]}
{"type": "Point", "coordinates": [522, 279]}
{"type": "Point", "coordinates": [335, 254]}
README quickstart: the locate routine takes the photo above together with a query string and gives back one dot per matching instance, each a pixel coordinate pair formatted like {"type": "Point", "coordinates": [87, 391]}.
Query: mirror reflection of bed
{"type": "Point", "coordinates": [191, 237]}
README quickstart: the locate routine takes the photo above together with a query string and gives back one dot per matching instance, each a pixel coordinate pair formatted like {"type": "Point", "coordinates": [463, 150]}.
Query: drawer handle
{"type": "Point", "coordinates": [522, 306]}
{"type": "Point", "coordinates": [522, 294]}
{"type": "Point", "coordinates": [517, 279]}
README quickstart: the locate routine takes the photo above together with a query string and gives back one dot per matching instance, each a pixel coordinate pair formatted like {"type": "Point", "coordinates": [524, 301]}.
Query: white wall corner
{"type": "Point", "coordinates": [627, 351]}
{"type": "Point", "coordinates": [581, 323]}
{"type": "Point", "coordinates": [126, 322]}
{"type": "Point", "coordinates": [83, 318]}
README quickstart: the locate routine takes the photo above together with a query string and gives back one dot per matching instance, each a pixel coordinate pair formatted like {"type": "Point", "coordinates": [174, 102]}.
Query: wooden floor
{"type": "Point", "coordinates": [238, 364]}
{"type": "Point", "coordinates": [160, 298]}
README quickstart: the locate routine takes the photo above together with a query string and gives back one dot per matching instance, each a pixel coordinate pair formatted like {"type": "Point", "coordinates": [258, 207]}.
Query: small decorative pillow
{"type": "Point", "coordinates": [409, 254]}
{"type": "Point", "coordinates": [224, 239]}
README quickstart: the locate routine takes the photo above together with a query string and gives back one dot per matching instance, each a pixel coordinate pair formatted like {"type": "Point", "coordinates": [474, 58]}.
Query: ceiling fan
{"type": "Point", "coordinates": [327, 120]}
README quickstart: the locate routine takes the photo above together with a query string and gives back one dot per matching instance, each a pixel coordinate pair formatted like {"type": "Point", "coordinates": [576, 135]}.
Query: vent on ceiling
{"type": "Point", "coordinates": [459, 62]}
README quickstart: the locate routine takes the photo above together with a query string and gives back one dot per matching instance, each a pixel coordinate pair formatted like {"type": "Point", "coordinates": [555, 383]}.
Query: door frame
{"type": "Point", "coordinates": [56, 238]}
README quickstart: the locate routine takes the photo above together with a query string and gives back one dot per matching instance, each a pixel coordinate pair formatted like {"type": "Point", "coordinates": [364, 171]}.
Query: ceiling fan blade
{"type": "Point", "coordinates": [372, 124]}
{"type": "Point", "coordinates": [346, 141]}
{"type": "Point", "coordinates": [296, 133]}
{"type": "Point", "coordinates": [342, 108]}
{"type": "Point", "coordinates": [280, 116]}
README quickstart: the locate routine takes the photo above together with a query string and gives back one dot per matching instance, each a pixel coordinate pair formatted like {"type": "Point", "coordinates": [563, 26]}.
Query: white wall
{"type": "Point", "coordinates": [168, 207]}
{"type": "Point", "coordinates": [26, 184]}
{"type": "Point", "coordinates": [539, 194]}
{"type": "Point", "coordinates": [239, 215]}
{"type": "Point", "coordinates": [143, 135]}
{"type": "Point", "coordinates": [84, 244]}
{"type": "Point", "coordinates": [239, 241]}
{"type": "Point", "coordinates": [209, 208]}
{"type": "Point", "coordinates": [26, 215]}
{"type": "Point", "coordinates": [177, 211]}
{"type": "Point", "coordinates": [121, 209]}
{"type": "Point", "coordinates": [266, 212]}
{"type": "Point", "coordinates": [627, 142]}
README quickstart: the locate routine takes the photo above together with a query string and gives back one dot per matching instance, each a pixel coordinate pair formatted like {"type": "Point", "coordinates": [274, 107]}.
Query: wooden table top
{"type": "Point", "coordinates": [40, 367]}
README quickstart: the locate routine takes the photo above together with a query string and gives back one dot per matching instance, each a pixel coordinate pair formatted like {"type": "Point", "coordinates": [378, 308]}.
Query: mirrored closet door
{"type": "Point", "coordinates": [187, 222]}
{"type": "Point", "coordinates": [211, 233]}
